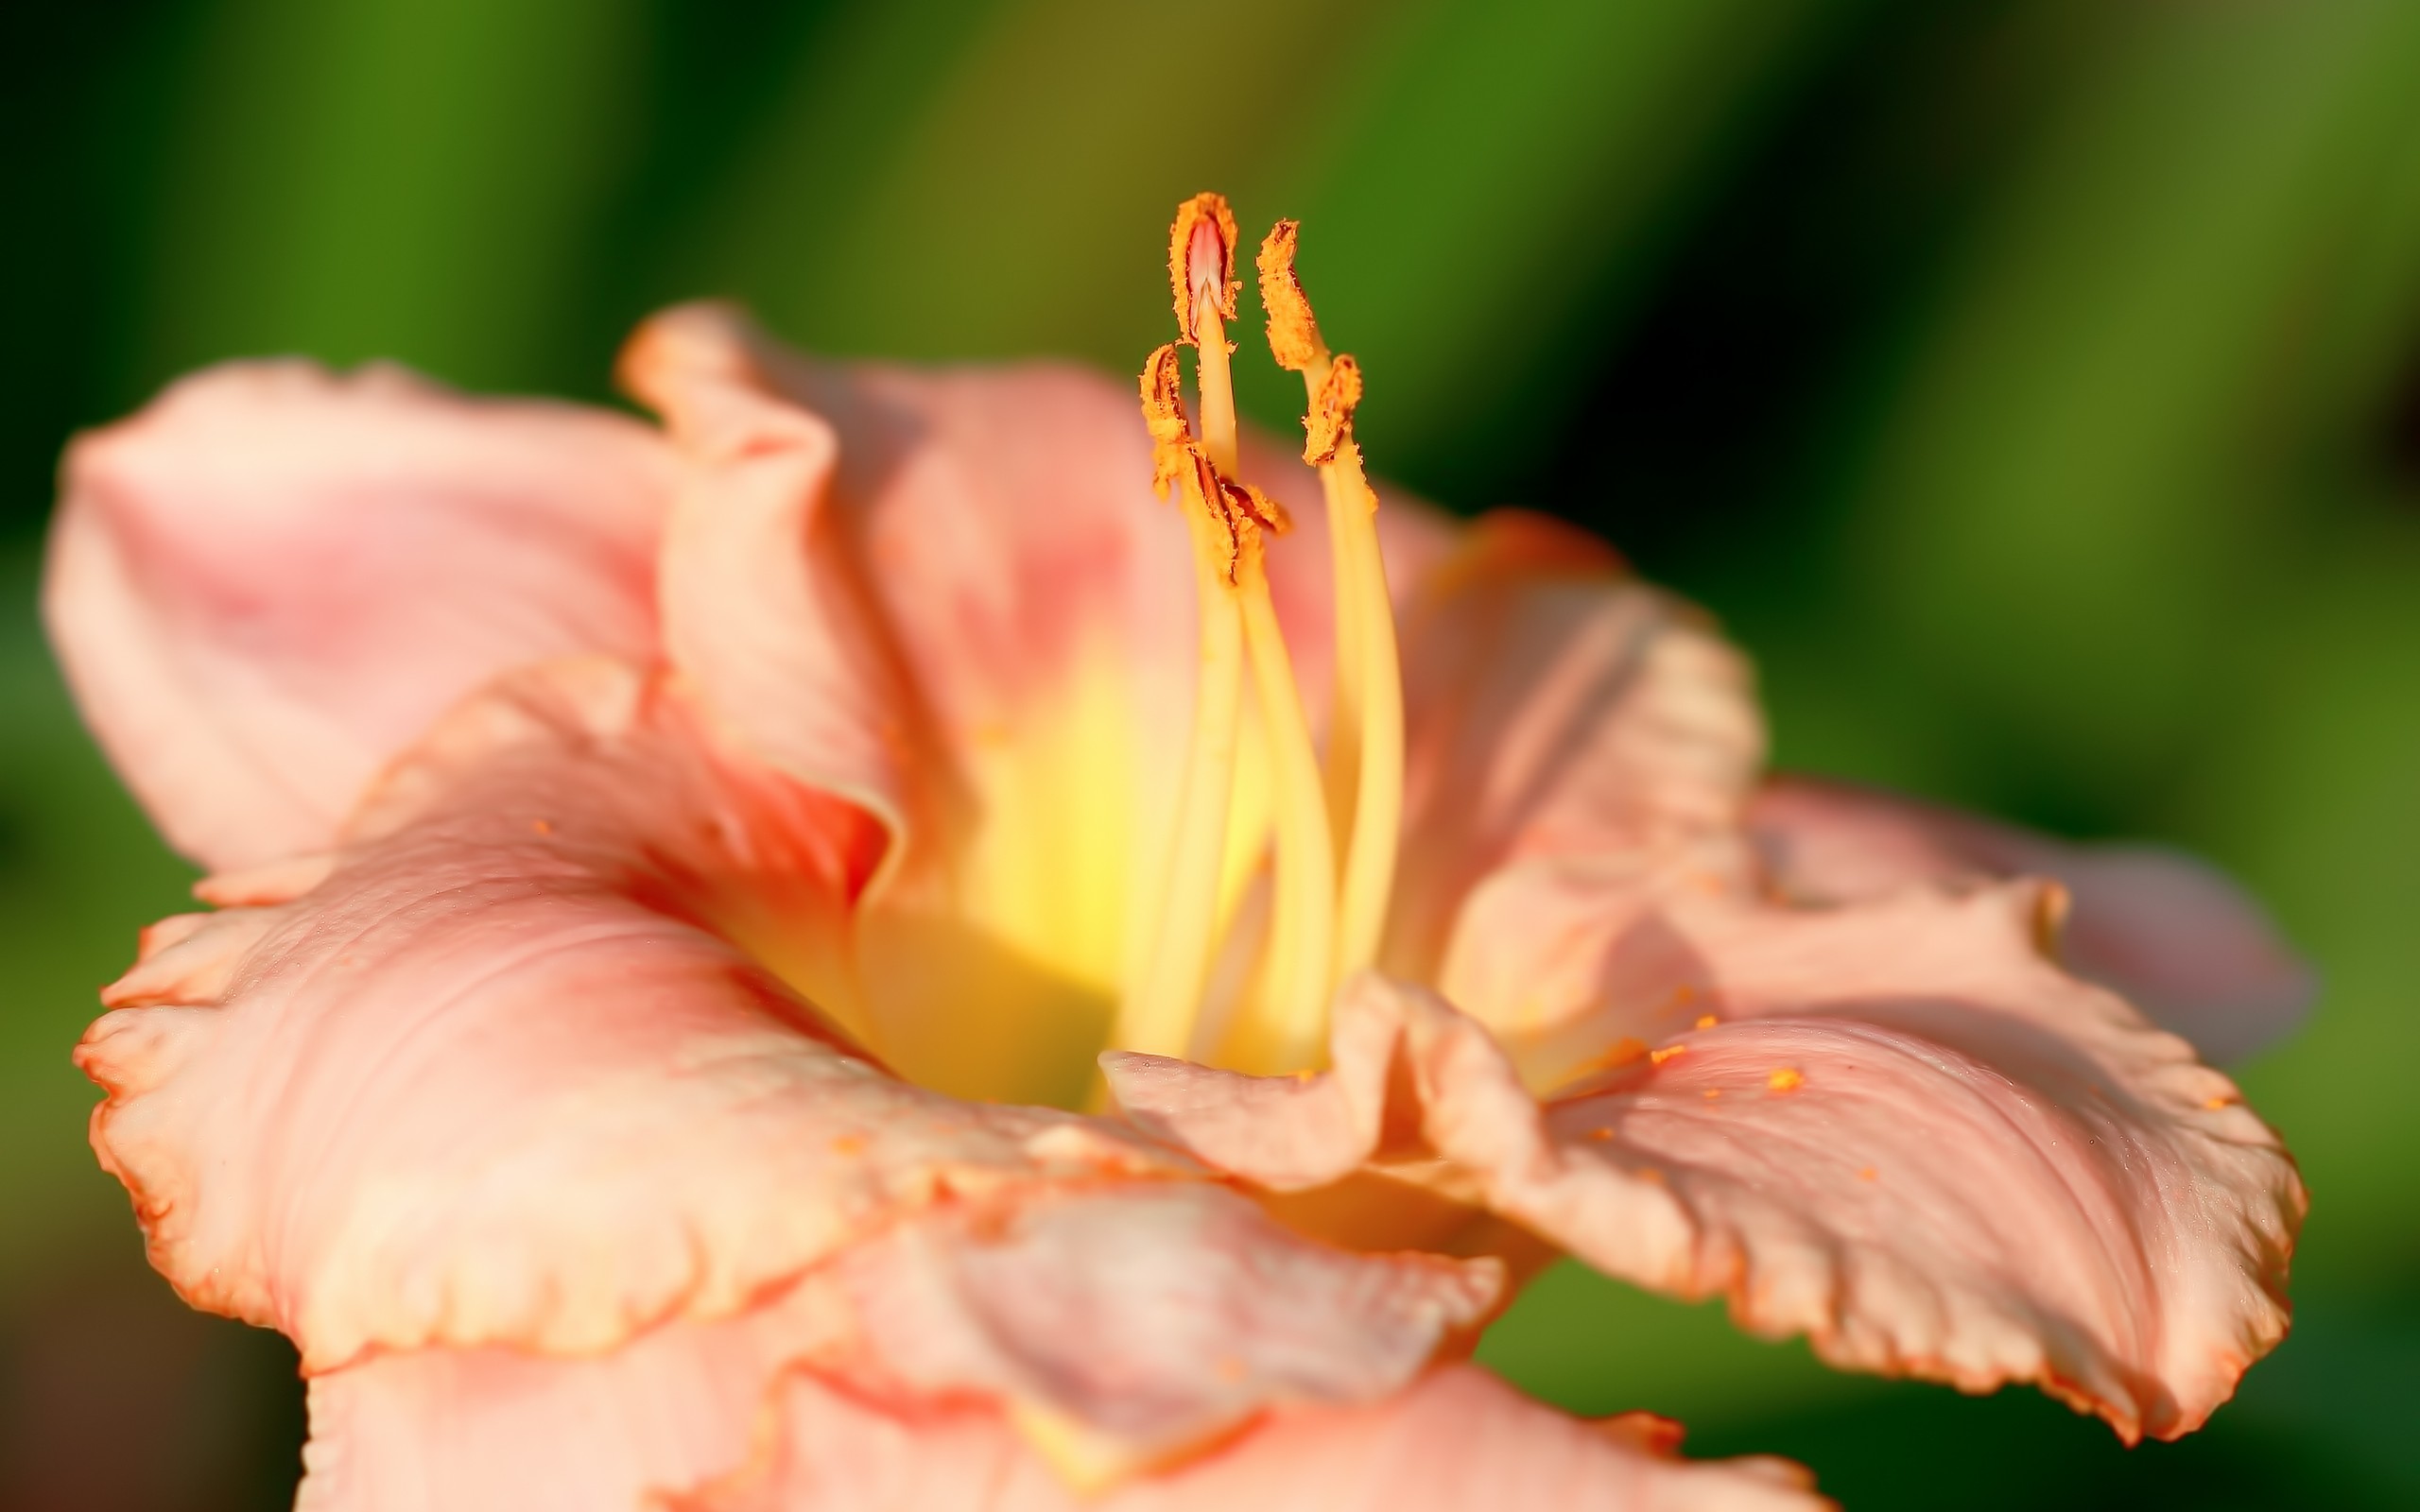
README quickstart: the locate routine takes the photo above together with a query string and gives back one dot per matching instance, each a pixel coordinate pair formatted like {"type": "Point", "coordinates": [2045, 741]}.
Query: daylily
{"type": "Point", "coordinates": [784, 960]}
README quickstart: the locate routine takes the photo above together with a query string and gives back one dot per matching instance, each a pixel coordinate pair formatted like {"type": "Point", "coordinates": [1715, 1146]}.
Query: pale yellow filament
{"type": "Point", "coordinates": [1157, 1017]}
{"type": "Point", "coordinates": [1325, 917]}
{"type": "Point", "coordinates": [1288, 1032]}
{"type": "Point", "coordinates": [1340, 770]}
{"type": "Point", "coordinates": [1363, 603]}
{"type": "Point", "coordinates": [1219, 438]}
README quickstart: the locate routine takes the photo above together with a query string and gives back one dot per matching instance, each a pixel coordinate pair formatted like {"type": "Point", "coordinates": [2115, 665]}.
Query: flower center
{"type": "Point", "coordinates": [1186, 881]}
{"type": "Point", "coordinates": [1325, 919]}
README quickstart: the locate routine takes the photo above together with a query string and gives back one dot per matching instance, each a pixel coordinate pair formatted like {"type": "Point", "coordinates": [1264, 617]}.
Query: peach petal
{"type": "Point", "coordinates": [1459, 1440]}
{"type": "Point", "coordinates": [1133, 1321]}
{"type": "Point", "coordinates": [760, 607]}
{"type": "Point", "coordinates": [1906, 1135]}
{"type": "Point", "coordinates": [1130, 1329]}
{"type": "Point", "coordinates": [270, 580]}
{"type": "Point", "coordinates": [667, 1423]}
{"type": "Point", "coordinates": [1555, 706]}
{"type": "Point", "coordinates": [497, 1080]}
{"type": "Point", "coordinates": [2169, 931]}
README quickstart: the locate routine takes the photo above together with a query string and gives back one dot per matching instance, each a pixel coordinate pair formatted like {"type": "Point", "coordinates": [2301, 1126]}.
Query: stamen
{"type": "Point", "coordinates": [1286, 1031]}
{"type": "Point", "coordinates": [1157, 1016]}
{"type": "Point", "coordinates": [1365, 749]}
{"type": "Point", "coordinates": [1294, 332]}
{"type": "Point", "coordinates": [1377, 807]}
{"type": "Point", "coordinates": [1163, 417]}
{"type": "Point", "coordinates": [1202, 260]}
{"type": "Point", "coordinates": [1181, 911]}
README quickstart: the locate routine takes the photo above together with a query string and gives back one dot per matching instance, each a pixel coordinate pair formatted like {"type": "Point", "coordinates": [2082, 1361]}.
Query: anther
{"type": "Point", "coordinates": [1202, 260]}
{"type": "Point", "coordinates": [1164, 418]}
{"type": "Point", "coordinates": [1364, 768]}
{"type": "Point", "coordinates": [1329, 425]}
{"type": "Point", "coordinates": [1293, 334]}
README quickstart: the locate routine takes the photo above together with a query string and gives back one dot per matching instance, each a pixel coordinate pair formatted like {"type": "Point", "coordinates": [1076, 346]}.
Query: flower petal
{"type": "Point", "coordinates": [273, 578]}
{"type": "Point", "coordinates": [2166, 929]}
{"type": "Point", "coordinates": [504, 1079]}
{"type": "Point", "coordinates": [1116, 1326]}
{"type": "Point", "coordinates": [662, 1425]}
{"type": "Point", "coordinates": [1459, 1442]}
{"type": "Point", "coordinates": [1903, 1133]}
{"type": "Point", "coordinates": [1554, 705]}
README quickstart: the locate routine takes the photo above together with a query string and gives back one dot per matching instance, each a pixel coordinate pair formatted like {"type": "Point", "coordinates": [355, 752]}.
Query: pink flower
{"type": "Point", "coordinates": [675, 888]}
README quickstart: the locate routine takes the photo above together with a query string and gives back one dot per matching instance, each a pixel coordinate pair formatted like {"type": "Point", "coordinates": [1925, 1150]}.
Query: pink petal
{"type": "Point", "coordinates": [2169, 931]}
{"type": "Point", "coordinates": [272, 579]}
{"type": "Point", "coordinates": [503, 1076]}
{"type": "Point", "coordinates": [1126, 1323]}
{"type": "Point", "coordinates": [1459, 1440]}
{"type": "Point", "coordinates": [1556, 706]}
{"type": "Point", "coordinates": [662, 1424]}
{"type": "Point", "coordinates": [1906, 1135]}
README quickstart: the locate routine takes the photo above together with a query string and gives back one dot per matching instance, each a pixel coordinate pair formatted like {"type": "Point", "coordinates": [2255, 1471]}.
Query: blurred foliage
{"type": "Point", "coordinates": [2030, 383]}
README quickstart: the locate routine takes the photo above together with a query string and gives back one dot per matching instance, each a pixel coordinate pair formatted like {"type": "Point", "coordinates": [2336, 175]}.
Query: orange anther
{"type": "Point", "coordinates": [1293, 334]}
{"type": "Point", "coordinates": [1163, 417]}
{"type": "Point", "coordinates": [1785, 1080]}
{"type": "Point", "coordinates": [1659, 1056]}
{"type": "Point", "coordinates": [1330, 422]}
{"type": "Point", "coordinates": [1707, 1021]}
{"type": "Point", "coordinates": [1713, 1092]}
{"type": "Point", "coordinates": [1202, 259]}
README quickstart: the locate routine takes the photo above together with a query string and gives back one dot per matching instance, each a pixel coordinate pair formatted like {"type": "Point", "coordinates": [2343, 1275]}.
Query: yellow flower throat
{"type": "Point", "coordinates": [1333, 822]}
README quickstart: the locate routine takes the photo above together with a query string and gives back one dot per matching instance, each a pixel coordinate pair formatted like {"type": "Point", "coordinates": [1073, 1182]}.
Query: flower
{"type": "Point", "coordinates": [771, 962]}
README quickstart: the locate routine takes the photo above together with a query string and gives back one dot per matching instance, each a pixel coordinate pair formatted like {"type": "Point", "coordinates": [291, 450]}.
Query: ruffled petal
{"type": "Point", "coordinates": [2169, 931]}
{"type": "Point", "coordinates": [504, 1076]}
{"type": "Point", "coordinates": [474, 1432]}
{"type": "Point", "coordinates": [1111, 1327]}
{"type": "Point", "coordinates": [273, 578]}
{"type": "Point", "coordinates": [1894, 1128]}
{"type": "Point", "coordinates": [1555, 706]}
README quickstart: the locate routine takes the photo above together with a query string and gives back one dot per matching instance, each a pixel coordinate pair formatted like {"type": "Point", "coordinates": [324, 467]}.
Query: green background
{"type": "Point", "coordinates": [2033, 385]}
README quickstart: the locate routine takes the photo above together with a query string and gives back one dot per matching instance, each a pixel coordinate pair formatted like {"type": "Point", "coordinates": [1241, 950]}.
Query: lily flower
{"type": "Point", "coordinates": [782, 959]}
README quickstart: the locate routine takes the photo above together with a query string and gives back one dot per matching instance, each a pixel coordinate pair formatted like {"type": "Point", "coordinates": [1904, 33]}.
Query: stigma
{"type": "Point", "coordinates": [1334, 814]}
